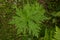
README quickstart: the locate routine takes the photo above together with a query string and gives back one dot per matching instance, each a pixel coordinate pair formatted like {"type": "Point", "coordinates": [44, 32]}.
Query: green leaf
{"type": "Point", "coordinates": [56, 14]}
{"type": "Point", "coordinates": [57, 35]}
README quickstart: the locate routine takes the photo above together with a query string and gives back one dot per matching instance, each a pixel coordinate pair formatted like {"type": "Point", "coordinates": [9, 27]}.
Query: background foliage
{"type": "Point", "coordinates": [29, 19]}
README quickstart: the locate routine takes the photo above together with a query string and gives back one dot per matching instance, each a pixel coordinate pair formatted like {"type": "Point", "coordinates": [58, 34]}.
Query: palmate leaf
{"type": "Point", "coordinates": [29, 18]}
